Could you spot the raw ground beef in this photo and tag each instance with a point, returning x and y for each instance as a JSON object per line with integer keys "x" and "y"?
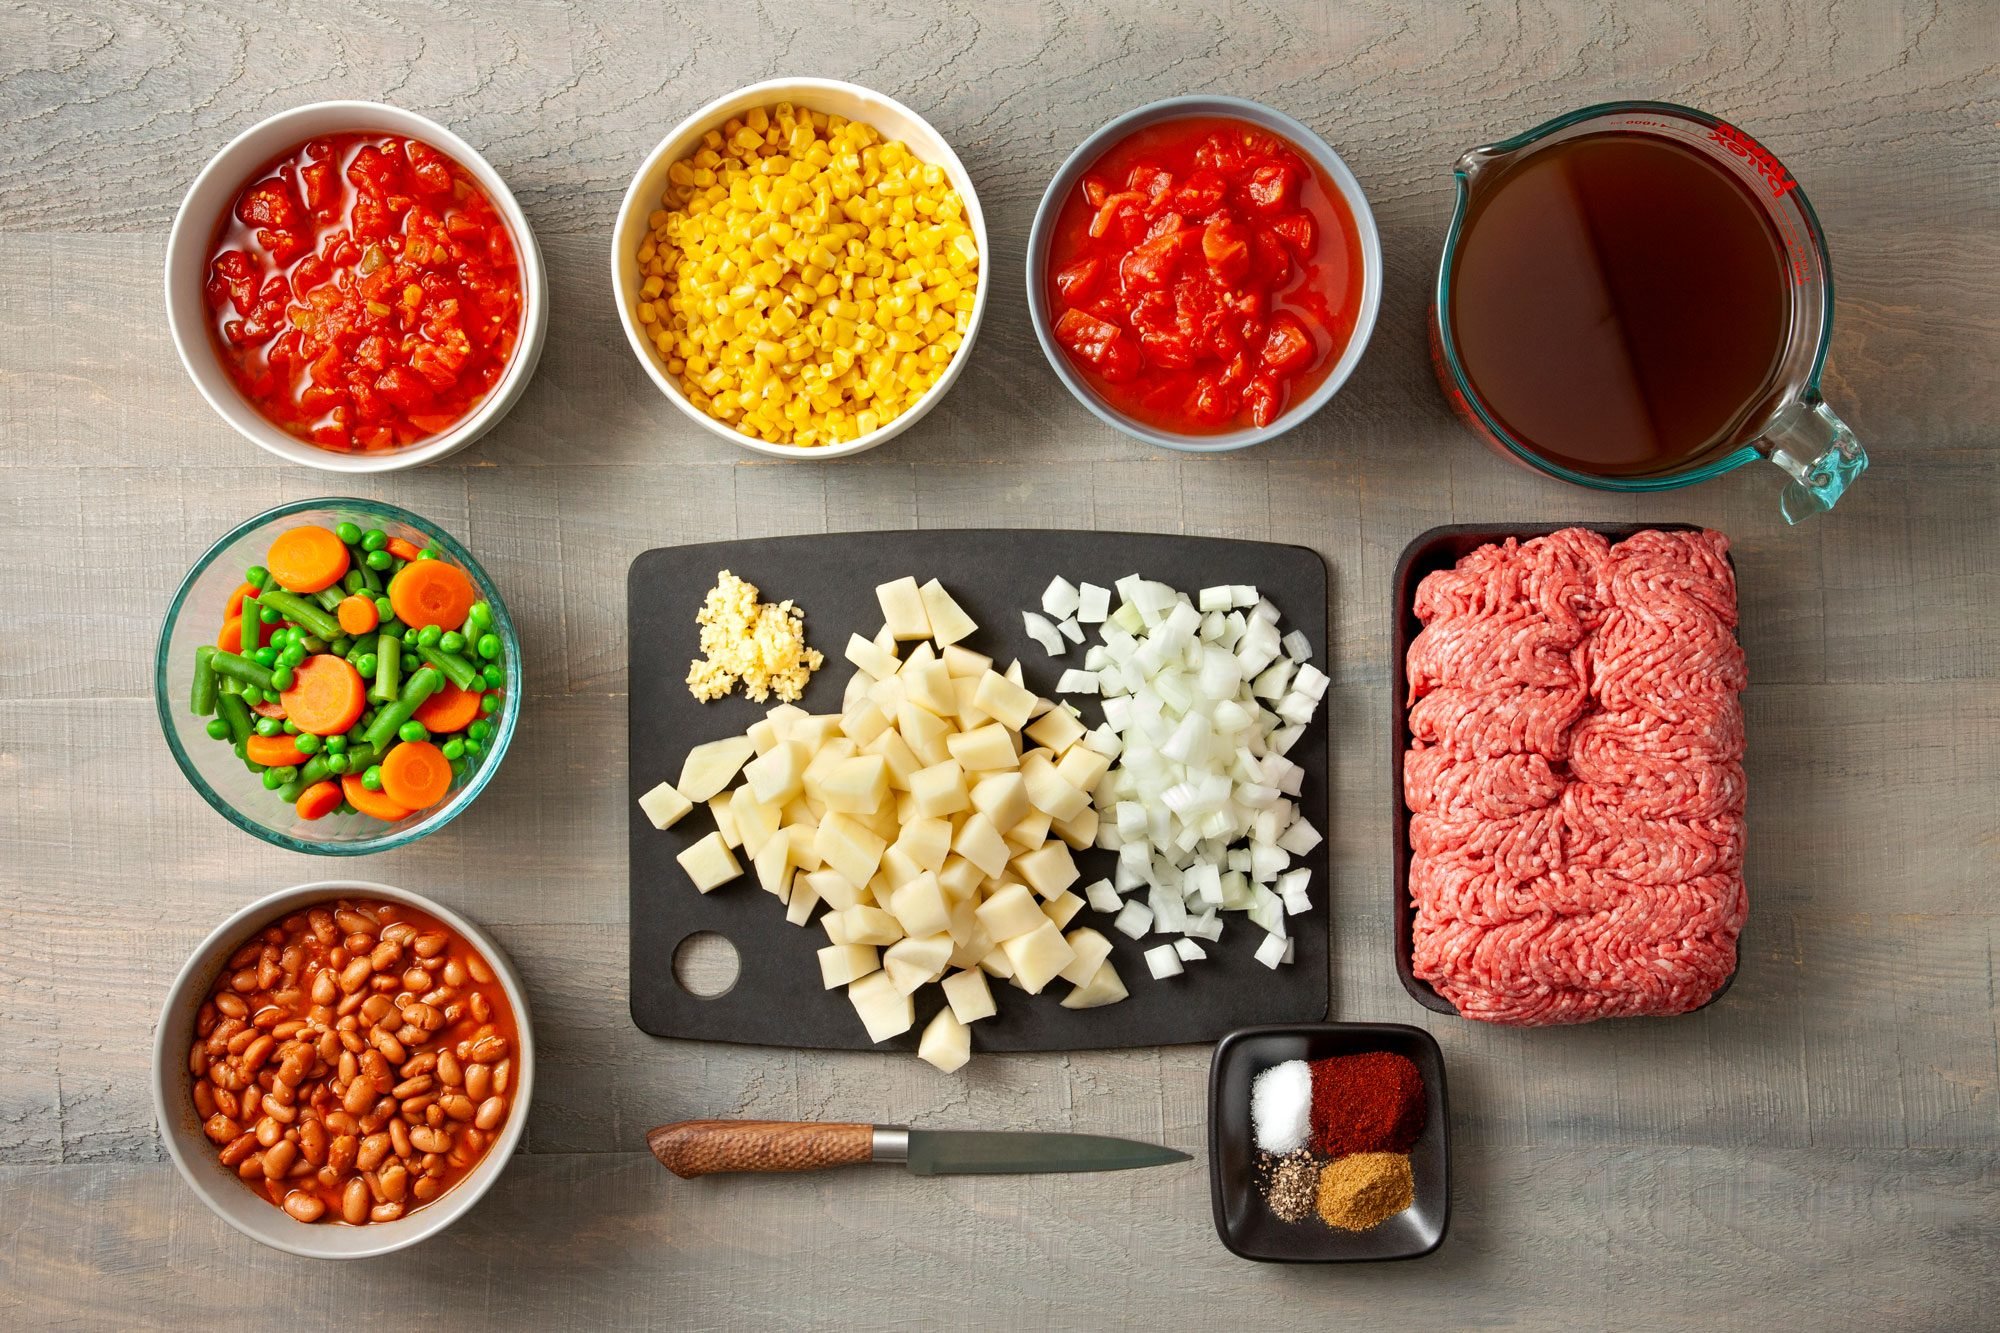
{"x": 1574, "y": 777}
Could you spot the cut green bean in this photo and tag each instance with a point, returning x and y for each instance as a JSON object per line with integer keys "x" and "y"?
{"x": 456, "y": 669}
{"x": 315, "y": 770}
{"x": 241, "y": 668}
{"x": 312, "y": 643}
{"x": 330, "y": 598}
{"x": 363, "y": 645}
{"x": 236, "y": 713}
{"x": 201, "y": 698}
{"x": 388, "y": 669}
{"x": 300, "y": 611}
{"x": 421, "y": 685}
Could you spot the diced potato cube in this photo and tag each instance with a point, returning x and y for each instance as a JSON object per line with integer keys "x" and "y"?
{"x": 929, "y": 688}
{"x": 1092, "y": 948}
{"x": 903, "y": 609}
{"x": 876, "y": 661}
{"x": 774, "y": 868}
{"x": 946, "y": 1043}
{"x": 779, "y": 775}
{"x": 763, "y": 735}
{"x": 799, "y": 907}
{"x": 784, "y": 717}
{"x": 1010, "y": 912}
{"x": 1031, "y": 832}
{"x": 926, "y": 841}
{"x": 1062, "y": 909}
{"x": 981, "y": 844}
{"x": 949, "y": 623}
{"x": 913, "y": 963}
{"x": 1083, "y": 768}
{"x": 710, "y": 863}
{"x": 1002, "y": 798}
{"x": 997, "y": 964}
{"x": 1048, "y": 870}
{"x": 725, "y": 819}
{"x": 835, "y": 926}
{"x": 863, "y": 723}
{"x": 960, "y": 877}
{"x": 1106, "y": 987}
{"x": 756, "y": 823}
{"x": 870, "y": 925}
{"x": 983, "y": 749}
{"x": 1081, "y": 832}
{"x": 924, "y": 732}
{"x": 804, "y": 856}
{"x": 920, "y": 906}
{"x": 664, "y": 806}
{"x": 857, "y": 785}
{"x": 885, "y": 1011}
{"x": 833, "y": 889}
{"x": 849, "y": 847}
{"x": 963, "y": 663}
{"x": 842, "y": 964}
{"x": 711, "y": 767}
{"x": 1039, "y": 956}
{"x": 815, "y": 730}
{"x": 1048, "y": 792}
{"x": 887, "y": 695}
{"x": 897, "y": 867}
{"x": 897, "y": 754}
{"x": 1058, "y": 729}
{"x": 970, "y": 998}
{"x": 1004, "y": 700}
{"x": 939, "y": 790}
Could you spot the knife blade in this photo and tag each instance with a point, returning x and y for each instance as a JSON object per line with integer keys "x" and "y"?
{"x": 691, "y": 1148}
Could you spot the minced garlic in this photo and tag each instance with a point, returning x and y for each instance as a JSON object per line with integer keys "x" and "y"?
{"x": 759, "y": 645}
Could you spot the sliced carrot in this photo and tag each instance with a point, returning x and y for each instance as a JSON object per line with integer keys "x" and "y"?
{"x": 372, "y": 803}
{"x": 235, "y": 605}
{"x": 307, "y": 559}
{"x": 403, "y": 549}
{"x": 327, "y": 695}
{"x": 416, "y": 774}
{"x": 269, "y": 708}
{"x": 318, "y": 801}
{"x": 272, "y": 751}
{"x": 358, "y": 614}
{"x": 231, "y": 638}
{"x": 448, "y": 709}
{"x": 430, "y": 592}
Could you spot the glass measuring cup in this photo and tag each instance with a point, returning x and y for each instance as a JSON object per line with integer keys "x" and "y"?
{"x": 1791, "y": 425}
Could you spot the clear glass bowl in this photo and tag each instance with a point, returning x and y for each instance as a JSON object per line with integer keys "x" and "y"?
{"x": 194, "y": 617}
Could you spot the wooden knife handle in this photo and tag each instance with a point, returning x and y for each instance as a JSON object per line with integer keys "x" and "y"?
{"x": 691, "y": 1148}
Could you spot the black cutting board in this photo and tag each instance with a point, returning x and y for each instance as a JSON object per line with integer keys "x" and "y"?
{"x": 777, "y": 999}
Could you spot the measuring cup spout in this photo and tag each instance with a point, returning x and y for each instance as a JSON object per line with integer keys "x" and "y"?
{"x": 1818, "y": 452}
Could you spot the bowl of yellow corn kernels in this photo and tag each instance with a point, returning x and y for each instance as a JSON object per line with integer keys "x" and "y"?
{"x": 800, "y": 267}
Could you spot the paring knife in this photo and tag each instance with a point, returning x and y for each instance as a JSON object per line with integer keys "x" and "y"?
{"x": 693, "y": 1148}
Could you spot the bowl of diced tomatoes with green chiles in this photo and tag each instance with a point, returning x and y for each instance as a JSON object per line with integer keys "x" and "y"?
{"x": 338, "y": 677}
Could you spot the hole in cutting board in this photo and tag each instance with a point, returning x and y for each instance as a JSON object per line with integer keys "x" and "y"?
{"x": 706, "y": 964}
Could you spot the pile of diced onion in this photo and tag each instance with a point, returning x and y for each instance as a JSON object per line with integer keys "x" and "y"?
{"x": 1203, "y": 699}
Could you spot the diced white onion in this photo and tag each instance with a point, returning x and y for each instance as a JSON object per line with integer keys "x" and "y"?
{"x": 1163, "y": 962}
{"x": 1060, "y": 598}
{"x": 1044, "y": 633}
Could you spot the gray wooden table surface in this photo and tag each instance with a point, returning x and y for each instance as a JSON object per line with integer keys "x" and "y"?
{"x": 1818, "y": 1150}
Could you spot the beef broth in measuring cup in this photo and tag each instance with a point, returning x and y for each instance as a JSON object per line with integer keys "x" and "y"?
{"x": 1635, "y": 297}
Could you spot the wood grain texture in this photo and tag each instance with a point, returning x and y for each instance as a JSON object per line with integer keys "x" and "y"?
{"x": 691, "y": 1148}
{"x": 1815, "y": 1150}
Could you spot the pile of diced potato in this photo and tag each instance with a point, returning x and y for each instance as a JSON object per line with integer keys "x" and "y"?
{"x": 934, "y": 816}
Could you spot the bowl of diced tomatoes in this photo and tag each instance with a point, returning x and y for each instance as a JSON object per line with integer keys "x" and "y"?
{"x": 1204, "y": 273}
{"x": 353, "y": 287}
{"x": 374, "y": 700}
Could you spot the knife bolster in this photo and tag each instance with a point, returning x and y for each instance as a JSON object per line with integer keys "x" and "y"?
{"x": 693, "y": 1148}
{"x": 891, "y": 1143}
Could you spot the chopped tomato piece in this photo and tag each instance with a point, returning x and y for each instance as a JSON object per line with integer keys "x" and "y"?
{"x": 1201, "y": 194}
{"x": 1271, "y": 188}
{"x": 1288, "y": 346}
{"x": 1264, "y": 400}
{"x": 1299, "y": 232}
{"x": 1226, "y": 245}
{"x": 1100, "y": 343}
{"x": 1151, "y": 181}
{"x": 1078, "y": 282}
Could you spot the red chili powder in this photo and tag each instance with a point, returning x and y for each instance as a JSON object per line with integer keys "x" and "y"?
{"x": 1366, "y": 1103}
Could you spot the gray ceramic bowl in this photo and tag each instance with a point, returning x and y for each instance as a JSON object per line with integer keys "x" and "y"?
{"x": 1181, "y": 108}
{"x": 217, "y": 1185}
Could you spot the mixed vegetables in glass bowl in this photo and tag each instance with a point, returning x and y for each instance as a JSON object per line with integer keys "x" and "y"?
{"x": 338, "y": 676}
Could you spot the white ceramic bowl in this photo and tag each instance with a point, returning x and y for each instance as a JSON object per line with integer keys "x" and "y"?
{"x": 833, "y": 97}
{"x": 198, "y": 1159}
{"x": 194, "y": 231}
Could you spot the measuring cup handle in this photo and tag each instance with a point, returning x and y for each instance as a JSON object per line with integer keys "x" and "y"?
{"x": 1820, "y": 454}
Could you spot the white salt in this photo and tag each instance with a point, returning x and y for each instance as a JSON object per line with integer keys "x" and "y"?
{"x": 1281, "y": 1106}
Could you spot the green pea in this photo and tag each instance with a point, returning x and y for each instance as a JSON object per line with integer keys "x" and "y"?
{"x": 282, "y": 677}
{"x": 290, "y": 728}
{"x": 379, "y": 559}
{"x": 336, "y": 744}
{"x": 488, "y": 703}
{"x": 218, "y": 729}
{"x": 256, "y": 576}
{"x": 348, "y": 532}
{"x": 275, "y": 778}
{"x": 267, "y": 616}
{"x": 413, "y": 730}
{"x": 280, "y": 637}
{"x": 428, "y": 553}
{"x": 307, "y": 743}
{"x": 372, "y": 779}
{"x": 429, "y": 635}
{"x": 335, "y": 763}
{"x": 479, "y": 730}
{"x": 293, "y": 655}
{"x": 269, "y": 726}
{"x": 385, "y": 610}
{"x": 411, "y": 662}
{"x": 454, "y": 749}
{"x": 252, "y": 695}
{"x": 366, "y": 665}
{"x": 480, "y": 614}
{"x": 475, "y": 748}
{"x": 450, "y": 641}
{"x": 374, "y": 539}
{"x": 493, "y": 676}
{"x": 488, "y": 645}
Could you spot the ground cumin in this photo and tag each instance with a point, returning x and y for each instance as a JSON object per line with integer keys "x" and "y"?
{"x": 1364, "y": 1190}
